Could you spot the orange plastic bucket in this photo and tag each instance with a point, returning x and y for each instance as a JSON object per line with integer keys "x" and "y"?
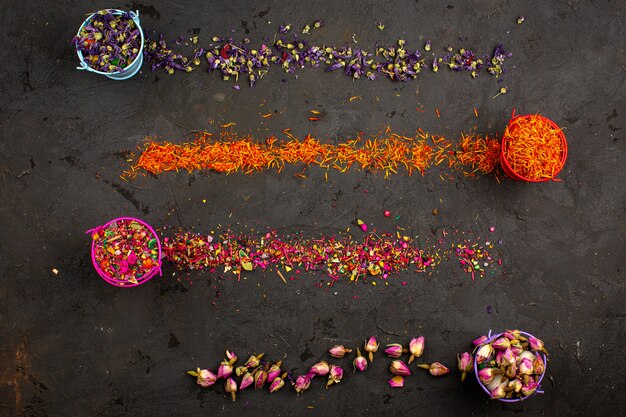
{"x": 509, "y": 135}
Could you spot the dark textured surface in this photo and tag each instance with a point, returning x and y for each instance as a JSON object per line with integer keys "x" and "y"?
{"x": 71, "y": 345}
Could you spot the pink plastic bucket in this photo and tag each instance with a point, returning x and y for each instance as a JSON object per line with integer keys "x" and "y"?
{"x": 510, "y": 400}
{"x": 124, "y": 283}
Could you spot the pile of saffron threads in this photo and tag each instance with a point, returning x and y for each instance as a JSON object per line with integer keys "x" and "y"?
{"x": 533, "y": 147}
{"x": 478, "y": 154}
{"x": 342, "y": 257}
{"x": 386, "y": 152}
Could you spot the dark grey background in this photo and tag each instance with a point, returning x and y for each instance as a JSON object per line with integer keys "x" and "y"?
{"x": 72, "y": 345}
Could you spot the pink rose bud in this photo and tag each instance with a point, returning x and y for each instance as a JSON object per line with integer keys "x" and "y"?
{"x": 537, "y": 345}
{"x": 320, "y": 368}
{"x": 398, "y": 367}
{"x": 338, "y": 351}
{"x": 302, "y": 384}
{"x": 394, "y": 350}
{"x": 276, "y": 384}
{"x": 529, "y": 388}
{"x": 515, "y": 385}
{"x": 501, "y": 343}
{"x": 486, "y": 375}
{"x": 335, "y": 375}
{"x": 246, "y": 381}
{"x": 206, "y": 378}
{"x": 371, "y": 346}
{"x": 232, "y": 358}
{"x": 526, "y": 366}
{"x": 517, "y": 350}
{"x": 499, "y": 355}
{"x": 465, "y": 362}
{"x": 508, "y": 358}
{"x": 512, "y": 334}
{"x": 231, "y": 387}
{"x": 260, "y": 378}
{"x": 416, "y": 347}
{"x": 484, "y": 352}
{"x": 498, "y": 392}
{"x": 225, "y": 370}
{"x": 396, "y": 382}
{"x": 362, "y": 225}
{"x": 539, "y": 367}
{"x": 274, "y": 371}
{"x": 479, "y": 341}
{"x": 359, "y": 362}
{"x": 435, "y": 368}
{"x": 254, "y": 361}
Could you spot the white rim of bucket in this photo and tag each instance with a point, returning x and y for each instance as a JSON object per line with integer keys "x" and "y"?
{"x": 135, "y": 16}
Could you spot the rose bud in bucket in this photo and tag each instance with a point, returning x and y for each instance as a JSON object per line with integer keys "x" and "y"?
{"x": 509, "y": 366}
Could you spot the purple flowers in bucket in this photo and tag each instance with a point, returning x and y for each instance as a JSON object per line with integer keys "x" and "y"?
{"x": 110, "y": 42}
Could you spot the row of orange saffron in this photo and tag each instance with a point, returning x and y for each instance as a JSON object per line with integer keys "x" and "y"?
{"x": 386, "y": 152}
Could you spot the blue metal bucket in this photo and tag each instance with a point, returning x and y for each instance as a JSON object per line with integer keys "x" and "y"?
{"x": 130, "y": 70}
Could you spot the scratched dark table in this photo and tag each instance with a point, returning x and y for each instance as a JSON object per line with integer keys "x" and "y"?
{"x": 73, "y": 345}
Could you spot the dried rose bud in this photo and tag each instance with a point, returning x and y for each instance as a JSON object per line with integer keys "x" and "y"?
{"x": 398, "y": 367}
{"x": 526, "y": 366}
{"x": 539, "y": 367}
{"x": 320, "y": 368}
{"x": 479, "y": 341}
{"x": 465, "y": 363}
{"x": 254, "y": 361}
{"x": 511, "y": 370}
{"x": 371, "y": 346}
{"x": 515, "y": 385}
{"x": 416, "y": 347}
{"x": 396, "y": 382}
{"x": 274, "y": 371}
{"x": 394, "y": 350}
{"x": 231, "y": 357}
{"x": 240, "y": 370}
{"x": 517, "y": 350}
{"x": 205, "y": 377}
{"x": 359, "y": 362}
{"x": 260, "y": 378}
{"x": 335, "y": 375}
{"x": 231, "y": 387}
{"x": 224, "y": 370}
{"x": 246, "y": 381}
{"x": 338, "y": 351}
{"x": 512, "y": 334}
{"x": 302, "y": 384}
{"x": 435, "y": 368}
{"x": 501, "y": 343}
{"x": 484, "y": 352}
{"x": 529, "y": 388}
{"x": 498, "y": 392}
{"x": 537, "y": 345}
{"x": 508, "y": 358}
{"x": 486, "y": 375}
{"x": 276, "y": 384}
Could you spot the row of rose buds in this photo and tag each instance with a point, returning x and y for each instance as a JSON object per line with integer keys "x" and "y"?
{"x": 393, "y": 350}
{"x": 253, "y": 372}
{"x": 511, "y": 365}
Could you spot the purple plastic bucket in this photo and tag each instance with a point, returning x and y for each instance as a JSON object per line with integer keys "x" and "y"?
{"x": 123, "y": 283}
{"x": 510, "y": 400}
